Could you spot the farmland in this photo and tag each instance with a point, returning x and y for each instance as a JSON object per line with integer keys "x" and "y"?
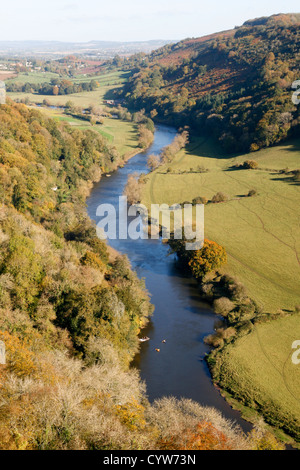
{"x": 261, "y": 237}
{"x": 107, "y": 82}
{"x": 259, "y": 233}
{"x": 259, "y": 370}
{"x": 123, "y": 135}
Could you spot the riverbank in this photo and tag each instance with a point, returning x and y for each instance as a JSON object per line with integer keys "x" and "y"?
{"x": 261, "y": 254}
{"x": 238, "y": 343}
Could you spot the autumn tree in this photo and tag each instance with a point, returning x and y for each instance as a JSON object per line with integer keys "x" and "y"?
{"x": 146, "y": 137}
{"x": 203, "y": 437}
{"x": 133, "y": 189}
{"x": 211, "y": 257}
{"x": 153, "y": 162}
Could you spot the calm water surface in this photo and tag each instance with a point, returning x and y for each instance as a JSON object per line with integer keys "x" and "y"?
{"x": 181, "y": 317}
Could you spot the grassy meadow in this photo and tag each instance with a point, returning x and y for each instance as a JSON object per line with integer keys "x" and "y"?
{"x": 107, "y": 81}
{"x": 34, "y": 77}
{"x": 258, "y": 369}
{"x": 260, "y": 233}
{"x": 123, "y": 135}
{"x": 261, "y": 237}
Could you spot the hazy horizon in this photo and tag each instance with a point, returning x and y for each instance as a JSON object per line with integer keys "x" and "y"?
{"x": 46, "y": 41}
{"x": 131, "y": 21}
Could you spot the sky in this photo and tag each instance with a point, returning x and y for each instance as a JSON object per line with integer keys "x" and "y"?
{"x": 129, "y": 20}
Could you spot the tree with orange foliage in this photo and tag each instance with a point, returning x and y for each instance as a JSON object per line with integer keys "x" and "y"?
{"x": 204, "y": 437}
{"x": 20, "y": 360}
{"x": 132, "y": 415}
{"x": 211, "y": 257}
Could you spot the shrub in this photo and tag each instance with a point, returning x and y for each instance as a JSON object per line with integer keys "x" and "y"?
{"x": 146, "y": 137}
{"x": 133, "y": 189}
{"x": 260, "y": 439}
{"x": 200, "y": 200}
{"x": 90, "y": 259}
{"x": 297, "y": 175}
{"x": 245, "y": 312}
{"x": 223, "y": 306}
{"x": 252, "y": 193}
{"x": 218, "y": 339}
{"x": 203, "y": 437}
{"x": 238, "y": 290}
{"x": 19, "y": 357}
{"x": 250, "y": 165}
{"x": 202, "y": 169}
{"x": 183, "y": 424}
{"x": 215, "y": 341}
{"x": 219, "y": 197}
{"x": 121, "y": 267}
{"x": 153, "y": 162}
{"x": 254, "y": 147}
{"x": 208, "y": 290}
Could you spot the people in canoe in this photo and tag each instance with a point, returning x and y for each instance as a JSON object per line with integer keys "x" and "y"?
{"x": 143, "y": 340}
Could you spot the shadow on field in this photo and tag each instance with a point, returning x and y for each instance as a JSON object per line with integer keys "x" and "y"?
{"x": 293, "y": 145}
{"x": 207, "y": 147}
{"x": 289, "y": 178}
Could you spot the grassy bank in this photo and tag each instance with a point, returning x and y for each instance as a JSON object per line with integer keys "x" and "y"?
{"x": 259, "y": 372}
{"x": 260, "y": 234}
{"x": 123, "y": 135}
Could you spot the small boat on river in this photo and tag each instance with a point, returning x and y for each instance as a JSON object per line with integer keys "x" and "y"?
{"x": 143, "y": 340}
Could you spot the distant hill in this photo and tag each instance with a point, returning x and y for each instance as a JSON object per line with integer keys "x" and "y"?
{"x": 235, "y": 84}
{"x": 99, "y": 49}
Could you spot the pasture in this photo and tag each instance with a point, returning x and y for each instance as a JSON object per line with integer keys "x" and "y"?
{"x": 123, "y": 135}
{"x": 108, "y": 82}
{"x": 260, "y": 233}
{"x": 259, "y": 369}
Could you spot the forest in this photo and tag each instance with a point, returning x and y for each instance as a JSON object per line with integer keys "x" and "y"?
{"x": 235, "y": 86}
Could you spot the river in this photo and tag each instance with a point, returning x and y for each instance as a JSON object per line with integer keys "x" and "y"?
{"x": 181, "y": 317}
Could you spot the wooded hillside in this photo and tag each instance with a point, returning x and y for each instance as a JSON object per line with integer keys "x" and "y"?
{"x": 236, "y": 85}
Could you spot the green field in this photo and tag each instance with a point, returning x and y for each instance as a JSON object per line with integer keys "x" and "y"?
{"x": 259, "y": 367}
{"x": 123, "y": 135}
{"x": 262, "y": 237}
{"x": 34, "y": 77}
{"x": 108, "y": 82}
{"x": 260, "y": 234}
